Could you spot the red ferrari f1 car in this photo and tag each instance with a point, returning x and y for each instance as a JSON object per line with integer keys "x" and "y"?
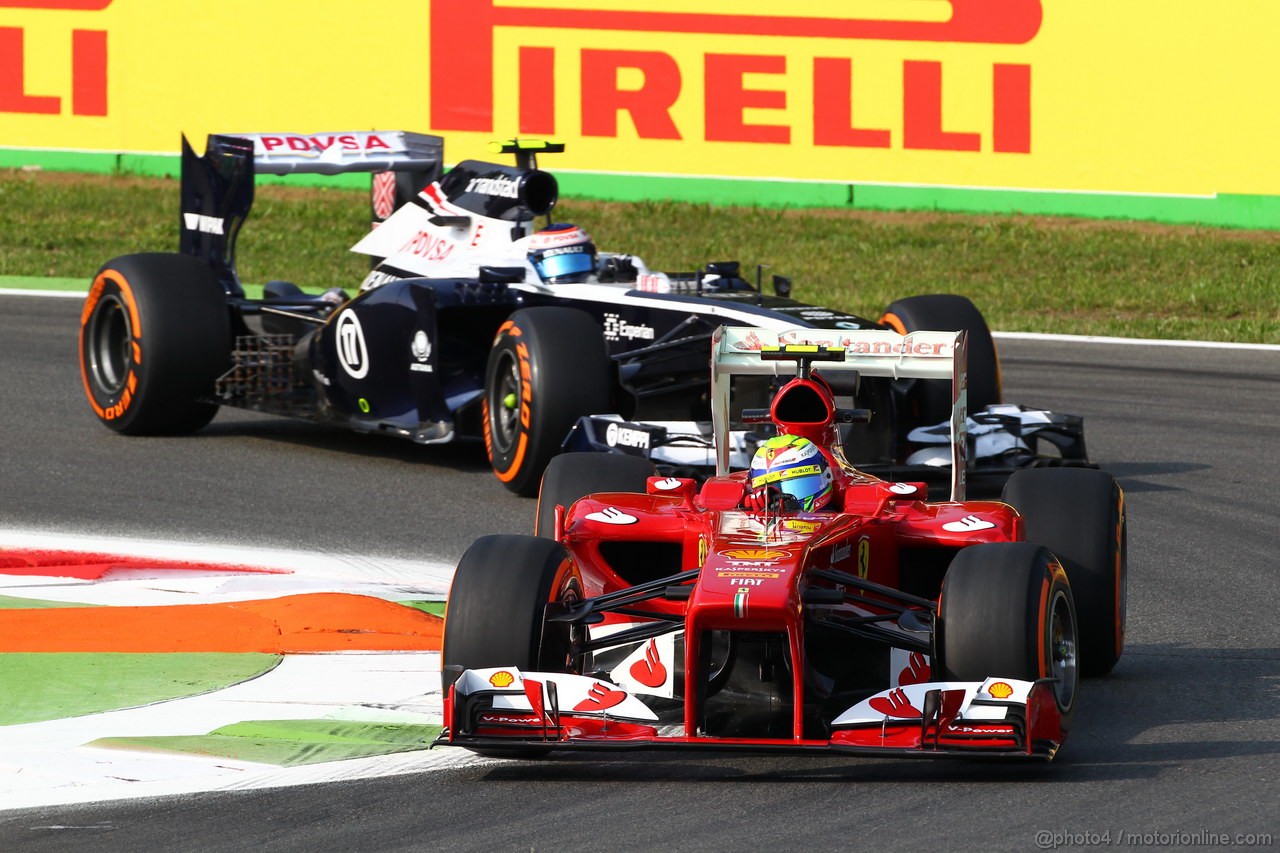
{"x": 801, "y": 605}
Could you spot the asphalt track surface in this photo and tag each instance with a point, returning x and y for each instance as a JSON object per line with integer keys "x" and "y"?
{"x": 1181, "y": 739}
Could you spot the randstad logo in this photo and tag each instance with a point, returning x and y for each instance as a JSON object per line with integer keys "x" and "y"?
{"x": 737, "y": 90}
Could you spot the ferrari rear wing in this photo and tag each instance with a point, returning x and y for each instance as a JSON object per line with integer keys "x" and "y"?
{"x": 217, "y": 187}
{"x": 737, "y": 350}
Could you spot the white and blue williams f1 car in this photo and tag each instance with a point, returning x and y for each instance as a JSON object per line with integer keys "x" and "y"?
{"x": 477, "y": 320}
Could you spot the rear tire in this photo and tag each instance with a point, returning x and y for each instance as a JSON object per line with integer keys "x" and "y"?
{"x": 1079, "y": 515}
{"x": 929, "y": 401}
{"x": 547, "y": 368}
{"x": 1006, "y": 611}
{"x": 155, "y": 335}
{"x": 575, "y": 475}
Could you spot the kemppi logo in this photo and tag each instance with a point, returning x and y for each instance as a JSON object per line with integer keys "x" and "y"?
{"x": 88, "y": 62}
{"x": 462, "y": 74}
{"x": 620, "y": 436}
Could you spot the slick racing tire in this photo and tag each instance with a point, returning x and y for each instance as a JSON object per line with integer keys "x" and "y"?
{"x": 929, "y": 401}
{"x": 497, "y": 607}
{"x": 547, "y": 368}
{"x": 575, "y": 475}
{"x": 155, "y": 334}
{"x": 1006, "y": 611}
{"x": 1079, "y": 515}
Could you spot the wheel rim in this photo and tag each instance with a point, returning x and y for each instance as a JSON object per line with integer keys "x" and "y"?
{"x": 504, "y": 403}
{"x": 107, "y": 346}
{"x": 1062, "y": 655}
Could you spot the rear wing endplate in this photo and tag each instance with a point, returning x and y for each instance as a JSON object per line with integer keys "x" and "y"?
{"x": 217, "y": 187}
{"x": 736, "y": 350}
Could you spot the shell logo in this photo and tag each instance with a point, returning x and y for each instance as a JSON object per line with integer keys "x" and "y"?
{"x": 753, "y": 554}
{"x": 502, "y": 678}
{"x": 1000, "y": 690}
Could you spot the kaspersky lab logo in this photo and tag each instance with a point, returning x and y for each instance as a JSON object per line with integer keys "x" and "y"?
{"x": 463, "y": 84}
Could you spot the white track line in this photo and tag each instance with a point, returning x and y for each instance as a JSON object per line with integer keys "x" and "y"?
{"x": 426, "y": 576}
{"x": 56, "y": 294}
{"x": 1144, "y": 342}
{"x": 1016, "y": 336}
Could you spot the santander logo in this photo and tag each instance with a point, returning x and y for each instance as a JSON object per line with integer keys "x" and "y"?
{"x": 968, "y": 524}
{"x": 611, "y": 515}
{"x": 917, "y": 671}
{"x": 600, "y": 697}
{"x": 650, "y": 671}
{"x": 896, "y": 704}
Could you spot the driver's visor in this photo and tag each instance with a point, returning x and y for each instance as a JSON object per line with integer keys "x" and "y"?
{"x": 555, "y": 267}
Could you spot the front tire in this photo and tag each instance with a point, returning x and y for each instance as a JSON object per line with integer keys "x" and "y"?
{"x": 496, "y": 613}
{"x": 155, "y": 335}
{"x": 575, "y": 475}
{"x": 547, "y": 368}
{"x": 497, "y": 604}
{"x": 1079, "y": 515}
{"x": 1006, "y": 611}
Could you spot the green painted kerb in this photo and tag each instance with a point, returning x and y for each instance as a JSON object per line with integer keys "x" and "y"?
{"x": 289, "y": 743}
{"x": 40, "y": 686}
{"x": 1232, "y": 211}
{"x": 435, "y": 608}
{"x": 9, "y": 602}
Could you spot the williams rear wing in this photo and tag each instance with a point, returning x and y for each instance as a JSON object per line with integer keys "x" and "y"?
{"x": 736, "y": 350}
{"x": 217, "y": 187}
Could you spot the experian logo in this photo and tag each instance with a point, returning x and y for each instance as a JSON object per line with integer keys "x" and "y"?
{"x": 615, "y": 329}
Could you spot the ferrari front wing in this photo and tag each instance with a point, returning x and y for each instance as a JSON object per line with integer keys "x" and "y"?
{"x": 506, "y": 710}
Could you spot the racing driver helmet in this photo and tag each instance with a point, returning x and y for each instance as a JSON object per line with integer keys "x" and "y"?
{"x": 562, "y": 253}
{"x": 794, "y": 466}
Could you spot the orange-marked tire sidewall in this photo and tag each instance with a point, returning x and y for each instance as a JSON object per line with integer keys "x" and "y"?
{"x": 107, "y": 405}
{"x": 507, "y": 463}
{"x": 894, "y": 322}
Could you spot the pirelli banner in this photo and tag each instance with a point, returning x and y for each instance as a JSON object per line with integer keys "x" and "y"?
{"x": 1090, "y": 107}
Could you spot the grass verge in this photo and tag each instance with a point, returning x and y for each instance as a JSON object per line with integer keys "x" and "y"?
{"x": 1026, "y": 273}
